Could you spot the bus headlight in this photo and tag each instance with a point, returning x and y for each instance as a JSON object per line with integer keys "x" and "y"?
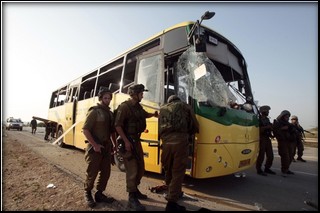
{"x": 247, "y": 107}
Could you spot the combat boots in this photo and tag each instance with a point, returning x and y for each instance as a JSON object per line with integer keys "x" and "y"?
{"x": 141, "y": 196}
{"x": 134, "y": 204}
{"x": 89, "y": 199}
{"x": 301, "y": 159}
{"x": 174, "y": 207}
{"x": 99, "y": 197}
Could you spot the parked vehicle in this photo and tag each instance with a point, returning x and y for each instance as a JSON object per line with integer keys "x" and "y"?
{"x": 14, "y": 123}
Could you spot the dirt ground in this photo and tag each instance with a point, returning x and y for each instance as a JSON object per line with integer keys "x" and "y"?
{"x": 40, "y": 176}
{"x": 25, "y": 178}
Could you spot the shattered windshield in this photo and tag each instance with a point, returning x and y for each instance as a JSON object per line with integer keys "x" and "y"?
{"x": 200, "y": 79}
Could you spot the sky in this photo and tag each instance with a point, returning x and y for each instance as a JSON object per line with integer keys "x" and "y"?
{"x": 46, "y": 45}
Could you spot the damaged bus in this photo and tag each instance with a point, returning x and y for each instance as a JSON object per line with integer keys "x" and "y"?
{"x": 196, "y": 63}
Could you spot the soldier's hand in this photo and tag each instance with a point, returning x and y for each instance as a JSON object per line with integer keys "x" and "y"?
{"x": 156, "y": 114}
{"x": 98, "y": 148}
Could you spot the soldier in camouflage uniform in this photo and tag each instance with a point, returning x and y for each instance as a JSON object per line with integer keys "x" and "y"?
{"x": 285, "y": 135}
{"x": 265, "y": 144}
{"x": 99, "y": 131}
{"x": 130, "y": 122}
{"x": 178, "y": 126}
{"x": 33, "y": 125}
{"x": 299, "y": 138}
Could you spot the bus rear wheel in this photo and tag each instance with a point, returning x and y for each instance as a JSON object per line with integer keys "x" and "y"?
{"x": 60, "y": 142}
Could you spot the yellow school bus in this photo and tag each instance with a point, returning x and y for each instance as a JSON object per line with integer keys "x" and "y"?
{"x": 200, "y": 66}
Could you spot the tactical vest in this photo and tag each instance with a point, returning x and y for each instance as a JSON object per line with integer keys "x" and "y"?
{"x": 174, "y": 117}
{"x": 136, "y": 123}
{"x": 105, "y": 118}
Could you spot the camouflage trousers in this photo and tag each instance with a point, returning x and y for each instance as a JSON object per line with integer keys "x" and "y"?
{"x": 174, "y": 159}
{"x": 134, "y": 168}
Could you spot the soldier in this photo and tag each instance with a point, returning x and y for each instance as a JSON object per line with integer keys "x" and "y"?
{"x": 130, "y": 122}
{"x": 283, "y": 132}
{"x": 48, "y": 130}
{"x": 178, "y": 126}
{"x": 265, "y": 144}
{"x": 33, "y": 125}
{"x": 99, "y": 131}
{"x": 300, "y": 135}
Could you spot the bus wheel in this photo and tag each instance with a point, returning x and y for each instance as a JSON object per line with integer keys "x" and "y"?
{"x": 60, "y": 142}
{"x": 118, "y": 159}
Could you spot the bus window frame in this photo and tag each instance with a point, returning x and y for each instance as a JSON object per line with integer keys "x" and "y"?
{"x": 159, "y": 76}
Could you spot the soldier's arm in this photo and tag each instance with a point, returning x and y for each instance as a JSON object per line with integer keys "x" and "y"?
{"x": 96, "y": 146}
{"x": 128, "y": 144}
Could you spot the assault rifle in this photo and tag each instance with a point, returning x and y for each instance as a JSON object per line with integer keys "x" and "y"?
{"x": 103, "y": 150}
{"x": 122, "y": 149}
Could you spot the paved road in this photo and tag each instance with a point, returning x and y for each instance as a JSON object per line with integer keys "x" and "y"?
{"x": 297, "y": 192}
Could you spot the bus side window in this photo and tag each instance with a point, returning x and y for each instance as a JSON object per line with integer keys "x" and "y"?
{"x": 126, "y": 85}
{"x": 85, "y": 95}
{"x": 113, "y": 87}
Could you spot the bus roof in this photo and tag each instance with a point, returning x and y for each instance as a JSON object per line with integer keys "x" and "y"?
{"x": 181, "y": 24}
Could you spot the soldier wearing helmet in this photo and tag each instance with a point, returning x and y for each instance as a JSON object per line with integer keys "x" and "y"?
{"x": 265, "y": 108}
{"x": 136, "y": 90}
{"x": 265, "y": 143}
{"x": 299, "y": 148}
{"x": 102, "y": 91}
{"x": 283, "y": 132}
{"x": 177, "y": 128}
{"x": 99, "y": 131}
{"x": 130, "y": 122}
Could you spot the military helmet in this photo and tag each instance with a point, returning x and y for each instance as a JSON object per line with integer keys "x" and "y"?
{"x": 265, "y": 108}
{"x": 136, "y": 89}
{"x": 103, "y": 90}
{"x": 283, "y": 113}
{"x": 173, "y": 98}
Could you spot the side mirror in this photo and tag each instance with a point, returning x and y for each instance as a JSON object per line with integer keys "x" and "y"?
{"x": 199, "y": 40}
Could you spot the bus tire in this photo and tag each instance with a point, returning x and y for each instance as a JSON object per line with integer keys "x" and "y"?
{"x": 60, "y": 142}
{"x": 118, "y": 159}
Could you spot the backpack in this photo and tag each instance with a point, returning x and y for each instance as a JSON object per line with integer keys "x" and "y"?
{"x": 173, "y": 117}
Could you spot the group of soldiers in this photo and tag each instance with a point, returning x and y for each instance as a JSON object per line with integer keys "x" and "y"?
{"x": 50, "y": 130}
{"x": 290, "y": 137}
{"x": 128, "y": 121}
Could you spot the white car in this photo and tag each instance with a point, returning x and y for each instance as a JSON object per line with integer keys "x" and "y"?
{"x": 14, "y": 123}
